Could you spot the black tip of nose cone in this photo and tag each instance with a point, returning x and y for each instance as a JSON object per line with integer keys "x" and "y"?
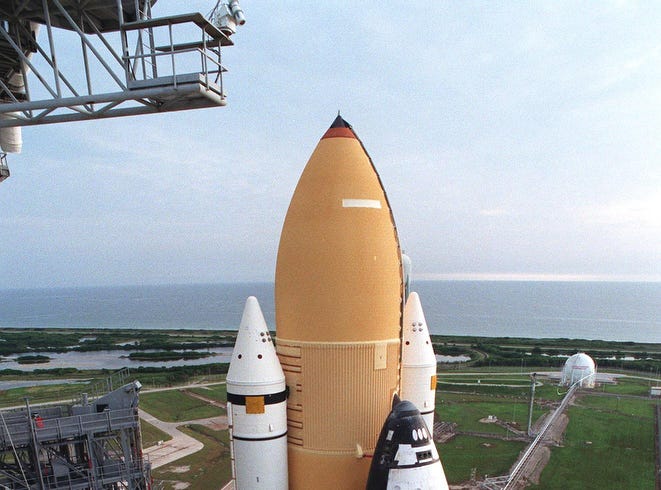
{"x": 340, "y": 123}
{"x": 339, "y": 129}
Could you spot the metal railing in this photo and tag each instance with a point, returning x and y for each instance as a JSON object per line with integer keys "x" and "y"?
{"x": 20, "y": 433}
{"x": 184, "y": 73}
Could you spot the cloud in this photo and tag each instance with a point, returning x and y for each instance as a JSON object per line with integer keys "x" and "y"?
{"x": 494, "y": 212}
{"x": 641, "y": 212}
{"x": 632, "y": 68}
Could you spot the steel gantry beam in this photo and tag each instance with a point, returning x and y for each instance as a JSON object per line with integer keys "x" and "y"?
{"x": 128, "y": 62}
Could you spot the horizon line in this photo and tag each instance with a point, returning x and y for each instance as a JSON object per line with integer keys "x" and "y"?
{"x": 422, "y": 276}
{"x": 534, "y": 277}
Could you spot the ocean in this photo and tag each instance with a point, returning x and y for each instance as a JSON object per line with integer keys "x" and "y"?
{"x": 624, "y": 311}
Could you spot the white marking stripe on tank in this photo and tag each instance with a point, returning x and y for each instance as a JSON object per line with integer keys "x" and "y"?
{"x": 361, "y": 203}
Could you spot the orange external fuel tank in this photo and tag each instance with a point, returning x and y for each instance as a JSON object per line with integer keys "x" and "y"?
{"x": 338, "y": 301}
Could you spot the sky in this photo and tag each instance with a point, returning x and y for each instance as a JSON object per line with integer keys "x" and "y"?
{"x": 515, "y": 140}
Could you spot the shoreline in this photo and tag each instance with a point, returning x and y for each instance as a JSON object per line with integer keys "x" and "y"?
{"x": 231, "y": 333}
{"x": 94, "y": 349}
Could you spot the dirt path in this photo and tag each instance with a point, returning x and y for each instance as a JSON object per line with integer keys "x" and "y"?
{"x": 210, "y": 401}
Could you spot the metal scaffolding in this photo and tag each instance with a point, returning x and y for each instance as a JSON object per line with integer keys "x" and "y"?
{"x": 128, "y": 63}
{"x": 91, "y": 445}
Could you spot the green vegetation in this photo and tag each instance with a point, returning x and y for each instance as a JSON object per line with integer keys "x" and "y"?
{"x": 151, "y": 435}
{"x": 18, "y": 341}
{"x": 209, "y": 467}
{"x": 167, "y": 355}
{"x": 467, "y": 404}
{"x": 36, "y": 359}
{"x": 66, "y": 391}
{"x": 495, "y": 383}
{"x": 620, "y": 405}
{"x": 215, "y": 392}
{"x": 152, "y": 377}
{"x": 569, "y": 346}
{"x": 22, "y": 340}
{"x": 629, "y": 386}
{"x": 467, "y": 411}
{"x": 526, "y": 352}
{"x": 483, "y": 351}
{"x": 607, "y": 440}
{"x": 487, "y": 456}
{"x": 610, "y": 436}
{"x": 175, "y": 406}
{"x": 40, "y": 394}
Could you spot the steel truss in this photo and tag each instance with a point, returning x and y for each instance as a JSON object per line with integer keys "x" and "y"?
{"x": 130, "y": 62}
{"x": 89, "y": 446}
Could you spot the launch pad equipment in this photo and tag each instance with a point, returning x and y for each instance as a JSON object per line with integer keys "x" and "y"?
{"x": 86, "y": 445}
{"x": 147, "y": 64}
{"x": 4, "y": 168}
{"x": 128, "y": 63}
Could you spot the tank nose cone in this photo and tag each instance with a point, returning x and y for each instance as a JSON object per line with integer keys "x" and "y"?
{"x": 339, "y": 129}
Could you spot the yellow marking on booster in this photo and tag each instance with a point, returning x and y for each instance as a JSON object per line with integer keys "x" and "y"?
{"x": 254, "y": 404}
{"x": 433, "y": 383}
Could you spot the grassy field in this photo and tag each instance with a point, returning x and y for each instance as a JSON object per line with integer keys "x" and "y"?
{"x": 608, "y": 444}
{"x": 609, "y": 438}
{"x": 215, "y": 392}
{"x": 208, "y": 468}
{"x": 467, "y": 414}
{"x": 623, "y": 406}
{"x": 497, "y": 383}
{"x": 66, "y": 391}
{"x": 488, "y": 457}
{"x": 629, "y": 386}
{"x": 175, "y": 406}
{"x": 152, "y": 435}
{"x": 41, "y": 394}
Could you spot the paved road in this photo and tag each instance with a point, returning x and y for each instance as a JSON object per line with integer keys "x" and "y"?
{"x": 182, "y": 387}
{"x": 181, "y": 445}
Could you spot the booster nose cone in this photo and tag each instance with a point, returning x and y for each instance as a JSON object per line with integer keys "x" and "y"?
{"x": 418, "y": 360}
{"x": 257, "y": 407}
{"x": 254, "y": 361}
{"x": 417, "y": 349}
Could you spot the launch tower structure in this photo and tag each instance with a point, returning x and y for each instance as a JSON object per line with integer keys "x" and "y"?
{"x": 128, "y": 61}
{"x": 90, "y": 444}
{"x": 156, "y": 64}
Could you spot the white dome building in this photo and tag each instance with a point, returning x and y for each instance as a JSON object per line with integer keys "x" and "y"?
{"x": 579, "y": 368}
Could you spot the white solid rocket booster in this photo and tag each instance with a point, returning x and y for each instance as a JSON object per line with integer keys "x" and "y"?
{"x": 257, "y": 406}
{"x": 418, "y": 361}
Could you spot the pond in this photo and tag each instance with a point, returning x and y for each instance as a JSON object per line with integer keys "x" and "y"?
{"x": 109, "y": 359}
